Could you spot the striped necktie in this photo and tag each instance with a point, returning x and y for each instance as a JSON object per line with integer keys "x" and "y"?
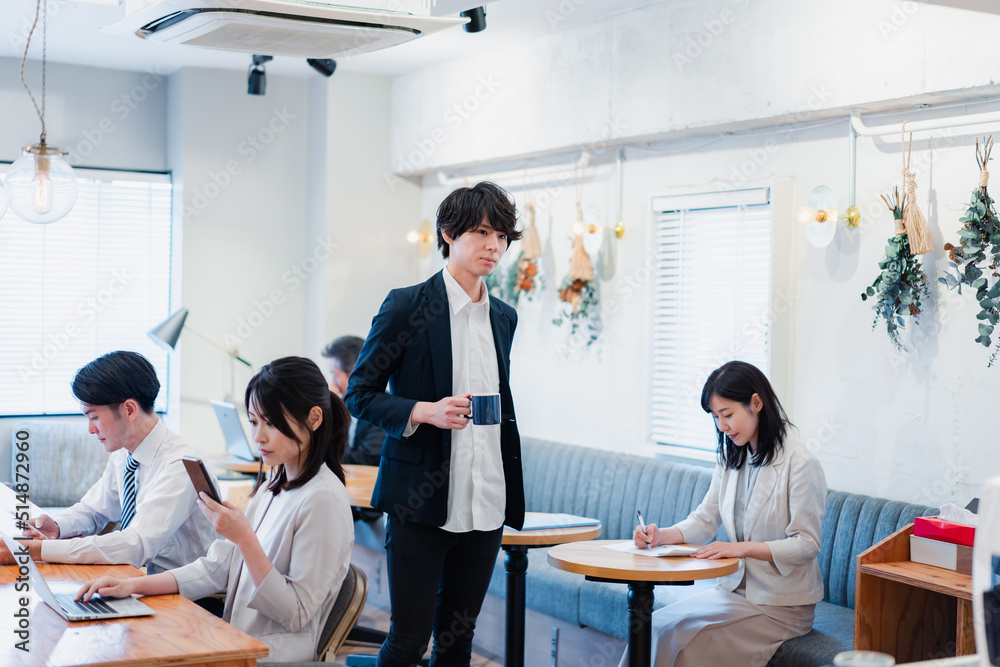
{"x": 129, "y": 487}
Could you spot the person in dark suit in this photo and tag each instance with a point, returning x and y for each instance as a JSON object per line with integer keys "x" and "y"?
{"x": 447, "y": 486}
{"x": 365, "y": 439}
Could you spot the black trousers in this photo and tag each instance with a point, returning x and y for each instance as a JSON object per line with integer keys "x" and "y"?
{"x": 437, "y": 583}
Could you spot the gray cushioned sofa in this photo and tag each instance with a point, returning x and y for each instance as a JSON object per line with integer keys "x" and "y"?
{"x": 610, "y": 486}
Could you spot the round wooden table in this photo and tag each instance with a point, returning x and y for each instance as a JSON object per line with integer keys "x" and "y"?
{"x": 516, "y": 543}
{"x": 641, "y": 573}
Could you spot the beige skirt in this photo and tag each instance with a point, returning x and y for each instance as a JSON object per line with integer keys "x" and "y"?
{"x": 723, "y": 629}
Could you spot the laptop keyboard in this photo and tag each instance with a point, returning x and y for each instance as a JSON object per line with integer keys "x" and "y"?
{"x": 92, "y": 606}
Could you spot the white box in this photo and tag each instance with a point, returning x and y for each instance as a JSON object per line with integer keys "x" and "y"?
{"x": 950, "y": 556}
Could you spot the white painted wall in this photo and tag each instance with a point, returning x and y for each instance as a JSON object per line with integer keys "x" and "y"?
{"x": 912, "y": 427}
{"x": 246, "y": 255}
{"x": 369, "y": 210}
{"x": 682, "y": 66}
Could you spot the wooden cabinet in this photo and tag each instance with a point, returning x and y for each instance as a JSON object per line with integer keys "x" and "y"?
{"x": 910, "y": 610}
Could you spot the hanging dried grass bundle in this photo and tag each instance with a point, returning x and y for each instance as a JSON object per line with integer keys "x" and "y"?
{"x": 913, "y": 218}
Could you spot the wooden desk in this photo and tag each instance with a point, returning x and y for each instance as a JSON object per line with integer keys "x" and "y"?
{"x": 641, "y": 573}
{"x": 516, "y": 543}
{"x": 910, "y": 610}
{"x": 181, "y": 633}
{"x": 360, "y": 483}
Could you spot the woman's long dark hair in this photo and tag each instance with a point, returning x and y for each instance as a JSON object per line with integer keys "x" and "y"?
{"x": 291, "y": 387}
{"x": 739, "y": 381}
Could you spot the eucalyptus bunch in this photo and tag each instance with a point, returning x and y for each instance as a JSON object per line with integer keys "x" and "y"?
{"x": 975, "y": 259}
{"x": 902, "y": 283}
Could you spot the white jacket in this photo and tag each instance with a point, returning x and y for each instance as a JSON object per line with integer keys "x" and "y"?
{"x": 785, "y": 511}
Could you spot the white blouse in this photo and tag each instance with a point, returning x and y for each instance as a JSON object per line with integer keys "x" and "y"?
{"x": 307, "y": 534}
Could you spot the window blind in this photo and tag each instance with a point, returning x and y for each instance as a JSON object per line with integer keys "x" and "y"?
{"x": 83, "y": 286}
{"x": 711, "y": 304}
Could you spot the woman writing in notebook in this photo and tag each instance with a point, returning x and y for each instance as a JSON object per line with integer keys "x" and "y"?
{"x": 283, "y": 562}
{"x": 769, "y": 493}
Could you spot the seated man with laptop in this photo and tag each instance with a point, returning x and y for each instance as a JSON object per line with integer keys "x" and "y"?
{"x": 145, "y": 487}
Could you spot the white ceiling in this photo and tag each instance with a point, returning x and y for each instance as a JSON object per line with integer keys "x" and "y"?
{"x": 74, "y": 36}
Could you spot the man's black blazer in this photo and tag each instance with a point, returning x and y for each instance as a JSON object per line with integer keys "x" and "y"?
{"x": 409, "y": 347}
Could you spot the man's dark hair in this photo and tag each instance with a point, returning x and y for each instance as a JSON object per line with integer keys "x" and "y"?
{"x": 464, "y": 209}
{"x": 116, "y": 377}
{"x": 345, "y": 350}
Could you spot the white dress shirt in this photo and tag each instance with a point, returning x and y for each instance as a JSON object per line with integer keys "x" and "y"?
{"x": 307, "y": 534}
{"x": 168, "y": 529}
{"x": 477, "y": 494}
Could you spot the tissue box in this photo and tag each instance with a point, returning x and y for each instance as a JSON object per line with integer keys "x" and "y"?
{"x": 955, "y": 557}
{"x": 944, "y": 531}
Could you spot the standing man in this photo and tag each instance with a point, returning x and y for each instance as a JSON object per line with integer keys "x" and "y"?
{"x": 364, "y": 440}
{"x": 144, "y": 488}
{"x": 448, "y": 487}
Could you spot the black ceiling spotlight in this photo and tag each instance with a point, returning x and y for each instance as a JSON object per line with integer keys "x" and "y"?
{"x": 477, "y": 19}
{"x": 256, "y": 76}
{"x": 325, "y": 66}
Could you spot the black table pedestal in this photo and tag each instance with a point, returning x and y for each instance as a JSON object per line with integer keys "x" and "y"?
{"x": 516, "y": 564}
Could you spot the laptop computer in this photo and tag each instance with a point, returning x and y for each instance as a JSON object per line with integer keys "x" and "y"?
{"x": 95, "y": 609}
{"x": 237, "y": 444}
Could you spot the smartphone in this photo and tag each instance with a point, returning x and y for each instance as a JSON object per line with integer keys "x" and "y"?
{"x": 202, "y": 481}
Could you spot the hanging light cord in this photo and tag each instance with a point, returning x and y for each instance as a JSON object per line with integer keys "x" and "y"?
{"x": 24, "y": 59}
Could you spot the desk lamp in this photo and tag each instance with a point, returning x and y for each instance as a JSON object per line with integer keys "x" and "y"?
{"x": 167, "y": 333}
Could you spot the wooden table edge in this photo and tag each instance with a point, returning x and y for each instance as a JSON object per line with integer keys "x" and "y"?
{"x": 724, "y": 567}
{"x": 549, "y": 536}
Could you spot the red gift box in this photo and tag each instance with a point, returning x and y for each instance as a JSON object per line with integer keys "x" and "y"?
{"x": 944, "y": 531}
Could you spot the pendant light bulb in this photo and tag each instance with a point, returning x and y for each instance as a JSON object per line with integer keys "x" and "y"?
{"x": 42, "y": 184}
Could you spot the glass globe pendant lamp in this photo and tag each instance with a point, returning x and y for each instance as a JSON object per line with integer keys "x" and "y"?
{"x": 41, "y": 182}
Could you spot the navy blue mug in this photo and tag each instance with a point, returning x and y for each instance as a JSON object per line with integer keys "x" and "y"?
{"x": 485, "y": 409}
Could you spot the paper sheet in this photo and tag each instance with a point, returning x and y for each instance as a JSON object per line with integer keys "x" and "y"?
{"x": 659, "y": 552}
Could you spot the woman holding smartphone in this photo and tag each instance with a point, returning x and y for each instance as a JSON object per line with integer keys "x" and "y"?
{"x": 769, "y": 493}
{"x": 283, "y": 562}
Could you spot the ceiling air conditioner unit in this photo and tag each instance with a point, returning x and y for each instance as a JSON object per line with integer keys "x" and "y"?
{"x": 300, "y": 28}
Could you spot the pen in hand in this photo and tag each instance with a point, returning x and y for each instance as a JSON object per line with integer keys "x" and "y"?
{"x": 642, "y": 524}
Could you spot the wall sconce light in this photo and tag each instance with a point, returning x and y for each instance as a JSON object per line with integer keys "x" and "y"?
{"x": 580, "y": 227}
{"x": 423, "y": 236}
{"x": 820, "y": 216}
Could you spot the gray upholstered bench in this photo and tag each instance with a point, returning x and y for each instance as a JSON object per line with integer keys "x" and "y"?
{"x": 65, "y": 460}
{"x": 610, "y": 486}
